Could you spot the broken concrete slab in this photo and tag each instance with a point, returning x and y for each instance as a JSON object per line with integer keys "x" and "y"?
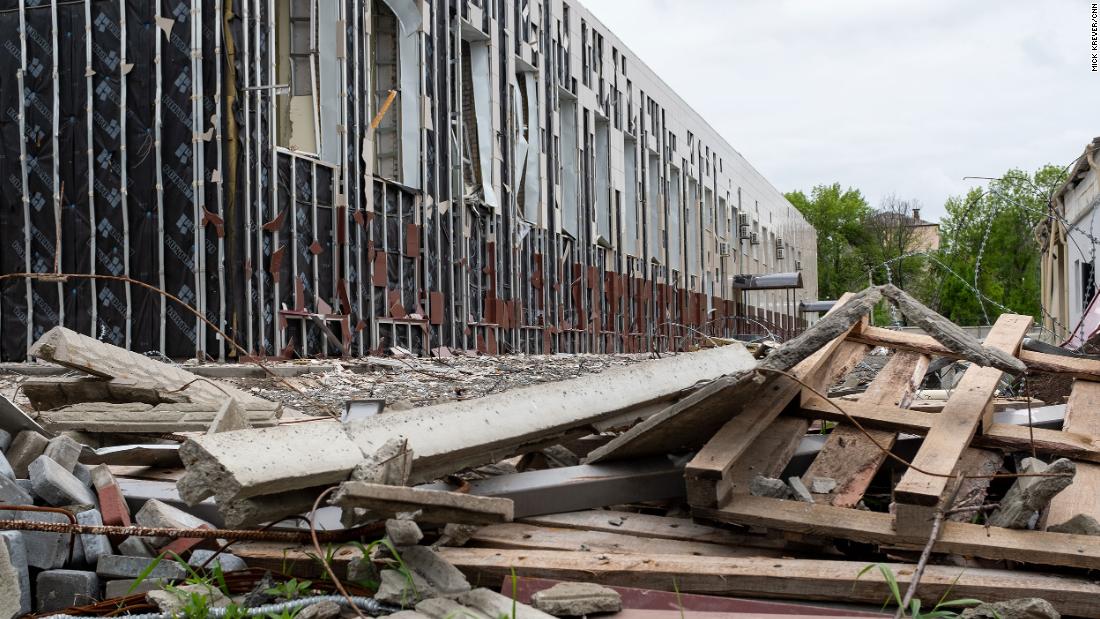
{"x": 50, "y": 393}
{"x": 158, "y": 514}
{"x": 231, "y": 416}
{"x": 577, "y": 598}
{"x": 1028, "y": 495}
{"x": 436, "y": 506}
{"x": 64, "y": 451}
{"x": 494, "y": 604}
{"x": 80, "y": 352}
{"x": 56, "y": 486}
{"x": 25, "y": 448}
{"x": 109, "y": 418}
{"x": 15, "y": 580}
{"x": 268, "y": 508}
{"x": 61, "y": 589}
{"x": 426, "y": 576}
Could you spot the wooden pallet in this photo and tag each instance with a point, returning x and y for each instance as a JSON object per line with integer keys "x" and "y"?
{"x": 960, "y": 438}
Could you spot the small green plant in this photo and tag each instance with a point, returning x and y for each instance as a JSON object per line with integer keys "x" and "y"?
{"x": 400, "y": 567}
{"x": 235, "y": 611}
{"x": 286, "y": 614}
{"x": 290, "y": 589}
{"x": 942, "y": 609}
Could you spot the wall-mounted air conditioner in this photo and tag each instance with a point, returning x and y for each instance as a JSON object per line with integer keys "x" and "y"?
{"x": 723, "y": 249}
{"x": 743, "y": 226}
{"x": 754, "y": 238}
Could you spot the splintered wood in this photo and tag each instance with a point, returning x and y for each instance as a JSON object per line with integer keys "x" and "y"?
{"x": 960, "y": 439}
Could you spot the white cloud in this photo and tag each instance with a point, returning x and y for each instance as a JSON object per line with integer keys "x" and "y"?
{"x": 885, "y": 96}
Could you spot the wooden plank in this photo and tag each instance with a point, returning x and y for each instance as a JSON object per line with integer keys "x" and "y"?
{"x": 805, "y": 579}
{"x": 647, "y": 525}
{"x": 1082, "y": 417}
{"x": 954, "y": 427}
{"x": 849, "y": 456}
{"x": 972, "y": 540}
{"x": 528, "y": 536}
{"x": 1083, "y": 369}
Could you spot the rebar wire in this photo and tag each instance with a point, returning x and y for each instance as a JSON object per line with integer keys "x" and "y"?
{"x": 891, "y": 455}
{"x": 315, "y": 538}
{"x": 252, "y": 535}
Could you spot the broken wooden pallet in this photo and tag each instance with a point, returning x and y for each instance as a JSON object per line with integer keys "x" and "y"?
{"x": 957, "y": 439}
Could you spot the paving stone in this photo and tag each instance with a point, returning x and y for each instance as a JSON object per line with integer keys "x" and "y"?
{"x": 12, "y": 492}
{"x": 121, "y": 566}
{"x": 45, "y": 551}
{"x": 56, "y": 486}
{"x": 95, "y": 546}
{"x": 160, "y": 514}
{"x": 14, "y": 556}
{"x": 403, "y": 532}
{"x": 5, "y": 440}
{"x": 64, "y": 451}
{"x": 577, "y": 598}
{"x": 125, "y": 587}
{"x": 25, "y": 448}
{"x": 112, "y": 505}
{"x": 229, "y": 562}
{"x": 83, "y": 472}
{"x": 5, "y": 467}
{"x": 60, "y": 589}
{"x": 136, "y": 547}
{"x": 496, "y": 605}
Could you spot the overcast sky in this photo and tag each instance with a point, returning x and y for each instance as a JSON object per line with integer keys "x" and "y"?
{"x": 888, "y": 97}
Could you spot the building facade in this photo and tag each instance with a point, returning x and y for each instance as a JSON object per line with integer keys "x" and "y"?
{"x": 1070, "y": 239}
{"x": 327, "y": 177}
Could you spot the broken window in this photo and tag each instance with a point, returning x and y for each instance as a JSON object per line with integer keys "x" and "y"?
{"x": 603, "y": 181}
{"x": 296, "y": 66}
{"x": 630, "y": 212}
{"x": 386, "y": 73}
{"x": 569, "y": 184}
{"x": 675, "y": 236}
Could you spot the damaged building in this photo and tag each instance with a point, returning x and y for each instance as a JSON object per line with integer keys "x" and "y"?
{"x": 322, "y": 178}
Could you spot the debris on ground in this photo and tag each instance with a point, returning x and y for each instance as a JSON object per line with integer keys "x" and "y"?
{"x": 848, "y": 465}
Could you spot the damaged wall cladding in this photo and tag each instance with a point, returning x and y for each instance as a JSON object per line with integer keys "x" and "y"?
{"x": 334, "y": 177}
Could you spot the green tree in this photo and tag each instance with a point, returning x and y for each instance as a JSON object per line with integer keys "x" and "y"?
{"x": 989, "y": 256}
{"x": 838, "y": 215}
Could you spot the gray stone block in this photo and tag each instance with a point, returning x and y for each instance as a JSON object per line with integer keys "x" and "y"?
{"x": 56, "y": 486}
{"x": 60, "y": 589}
{"x": 64, "y": 451}
{"x": 229, "y": 562}
{"x": 12, "y": 492}
{"x": 158, "y": 514}
{"x": 16, "y": 548}
{"x": 5, "y": 467}
{"x": 136, "y": 547}
{"x": 5, "y": 440}
{"x": 10, "y": 590}
{"x": 125, "y": 587}
{"x": 25, "y": 448}
{"x": 83, "y": 472}
{"x": 45, "y": 551}
{"x": 95, "y": 546}
{"x": 121, "y": 566}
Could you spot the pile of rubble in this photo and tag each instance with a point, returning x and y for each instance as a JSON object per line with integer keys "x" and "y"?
{"x": 700, "y": 474}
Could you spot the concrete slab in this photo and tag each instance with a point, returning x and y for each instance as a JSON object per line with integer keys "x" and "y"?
{"x": 436, "y": 506}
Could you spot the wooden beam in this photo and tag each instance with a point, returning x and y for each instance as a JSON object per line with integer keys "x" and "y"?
{"x": 1083, "y": 418}
{"x": 805, "y": 579}
{"x": 1083, "y": 369}
{"x": 852, "y": 458}
{"x": 958, "y": 538}
{"x": 954, "y": 427}
{"x": 528, "y": 536}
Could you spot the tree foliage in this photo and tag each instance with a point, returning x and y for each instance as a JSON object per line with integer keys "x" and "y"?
{"x": 838, "y": 215}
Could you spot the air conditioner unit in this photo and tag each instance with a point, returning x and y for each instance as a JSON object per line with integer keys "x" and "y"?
{"x": 743, "y": 219}
{"x": 779, "y": 252}
{"x": 754, "y": 238}
{"x": 743, "y": 226}
{"x": 723, "y": 249}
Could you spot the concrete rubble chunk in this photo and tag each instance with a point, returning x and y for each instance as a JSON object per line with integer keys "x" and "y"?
{"x": 577, "y": 598}
{"x": 391, "y": 464}
{"x": 1028, "y": 495}
{"x": 268, "y": 508}
{"x": 799, "y": 490}
{"x": 320, "y": 610}
{"x": 494, "y": 604}
{"x": 119, "y": 566}
{"x": 228, "y": 561}
{"x": 443, "y": 608}
{"x": 769, "y": 487}
{"x": 1081, "y": 524}
{"x": 445, "y": 578}
{"x": 26, "y": 448}
{"x": 436, "y": 506}
{"x": 403, "y": 532}
{"x": 12, "y": 493}
{"x": 80, "y": 352}
{"x": 400, "y": 589}
{"x": 173, "y": 601}
{"x": 822, "y": 485}
{"x": 15, "y": 582}
{"x": 231, "y": 416}
{"x": 455, "y": 534}
{"x": 1019, "y": 608}
{"x": 158, "y": 514}
{"x": 64, "y": 451}
{"x": 61, "y": 589}
{"x": 56, "y": 486}
{"x": 107, "y": 418}
{"x": 95, "y": 546}
{"x": 45, "y": 551}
